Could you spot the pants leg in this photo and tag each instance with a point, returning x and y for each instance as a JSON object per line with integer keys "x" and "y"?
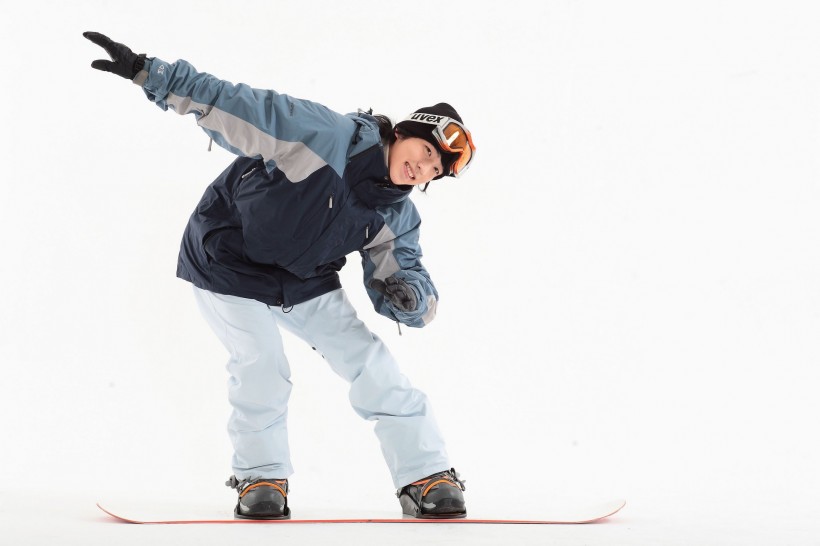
{"x": 259, "y": 384}
{"x": 410, "y": 440}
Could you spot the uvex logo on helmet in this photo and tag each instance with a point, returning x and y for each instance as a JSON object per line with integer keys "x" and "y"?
{"x": 426, "y": 118}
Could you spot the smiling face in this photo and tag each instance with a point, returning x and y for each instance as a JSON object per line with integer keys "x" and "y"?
{"x": 413, "y": 161}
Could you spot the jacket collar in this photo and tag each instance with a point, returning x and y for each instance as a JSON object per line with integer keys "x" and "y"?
{"x": 375, "y": 187}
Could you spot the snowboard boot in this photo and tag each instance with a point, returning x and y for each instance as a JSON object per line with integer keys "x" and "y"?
{"x": 261, "y": 499}
{"x": 436, "y": 496}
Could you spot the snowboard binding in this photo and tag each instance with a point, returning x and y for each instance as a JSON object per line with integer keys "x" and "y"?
{"x": 261, "y": 498}
{"x": 438, "y": 496}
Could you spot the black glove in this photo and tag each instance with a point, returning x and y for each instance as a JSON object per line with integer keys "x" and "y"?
{"x": 398, "y": 292}
{"x": 124, "y": 62}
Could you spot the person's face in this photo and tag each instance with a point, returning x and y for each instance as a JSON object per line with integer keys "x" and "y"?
{"x": 413, "y": 161}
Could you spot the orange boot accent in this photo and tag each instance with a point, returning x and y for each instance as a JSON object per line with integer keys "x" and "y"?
{"x": 271, "y": 484}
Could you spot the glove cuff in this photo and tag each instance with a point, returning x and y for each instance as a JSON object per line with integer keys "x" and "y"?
{"x": 139, "y": 64}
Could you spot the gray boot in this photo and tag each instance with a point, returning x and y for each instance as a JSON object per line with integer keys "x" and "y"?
{"x": 436, "y": 496}
{"x": 261, "y": 499}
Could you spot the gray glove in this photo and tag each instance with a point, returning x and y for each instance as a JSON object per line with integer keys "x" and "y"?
{"x": 397, "y": 292}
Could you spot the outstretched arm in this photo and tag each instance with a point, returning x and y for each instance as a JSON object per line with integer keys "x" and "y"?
{"x": 296, "y": 135}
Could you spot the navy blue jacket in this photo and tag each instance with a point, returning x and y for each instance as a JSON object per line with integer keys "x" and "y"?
{"x": 309, "y": 187}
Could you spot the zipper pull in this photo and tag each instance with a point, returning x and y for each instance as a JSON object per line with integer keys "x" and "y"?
{"x": 367, "y": 231}
{"x": 330, "y": 202}
{"x": 209, "y": 144}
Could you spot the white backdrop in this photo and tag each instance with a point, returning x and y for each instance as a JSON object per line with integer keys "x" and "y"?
{"x": 628, "y": 273}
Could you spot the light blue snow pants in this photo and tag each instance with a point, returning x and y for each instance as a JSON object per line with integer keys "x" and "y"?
{"x": 259, "y": 384}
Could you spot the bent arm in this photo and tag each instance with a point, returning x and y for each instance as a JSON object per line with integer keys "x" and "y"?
{"x": 395, "y": 251}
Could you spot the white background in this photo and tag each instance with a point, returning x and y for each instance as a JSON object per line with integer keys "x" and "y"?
{"x": 628, "y": 272}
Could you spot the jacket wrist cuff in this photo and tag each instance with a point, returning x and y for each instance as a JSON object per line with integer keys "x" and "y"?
{"x": 144, "y": 68}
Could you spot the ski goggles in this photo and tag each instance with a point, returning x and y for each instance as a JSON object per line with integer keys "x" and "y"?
{"x": 452, "y": 137}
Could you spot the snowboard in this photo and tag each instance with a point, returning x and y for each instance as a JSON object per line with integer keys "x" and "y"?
{"x": 568, "y": 515}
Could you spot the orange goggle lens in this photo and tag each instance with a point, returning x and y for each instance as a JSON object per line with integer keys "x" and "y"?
{"x": 456, "y": 139}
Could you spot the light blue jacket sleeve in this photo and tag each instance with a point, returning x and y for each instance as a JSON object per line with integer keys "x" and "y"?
{"x": 395, "y": 251}
{"x": 296, "y": 135}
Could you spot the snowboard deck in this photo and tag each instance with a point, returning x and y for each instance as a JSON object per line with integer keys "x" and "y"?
{"x": 570, "y": 515}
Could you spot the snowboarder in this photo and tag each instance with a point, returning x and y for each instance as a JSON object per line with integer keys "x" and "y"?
{"x": 263, "y": 249}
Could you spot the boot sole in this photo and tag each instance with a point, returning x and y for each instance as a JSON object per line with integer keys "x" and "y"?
{"x": 435, "y": 516}
{"x": 237, "y": 515}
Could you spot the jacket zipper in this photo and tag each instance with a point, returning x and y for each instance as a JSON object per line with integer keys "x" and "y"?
{"x": 248, "y": 173}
